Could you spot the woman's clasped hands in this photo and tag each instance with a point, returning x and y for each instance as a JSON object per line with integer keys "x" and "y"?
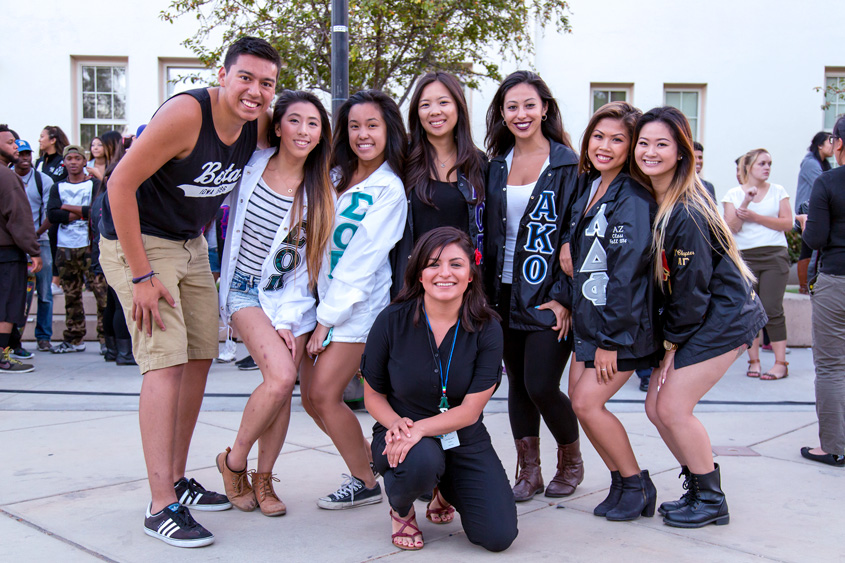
{"x": 399, "y": 439}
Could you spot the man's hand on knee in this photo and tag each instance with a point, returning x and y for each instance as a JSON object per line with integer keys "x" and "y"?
{"x": 145, "y": 298}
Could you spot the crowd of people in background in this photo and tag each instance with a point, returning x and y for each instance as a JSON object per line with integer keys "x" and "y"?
{"x": 65, "y": 191}
{"x": 424, "y": 265}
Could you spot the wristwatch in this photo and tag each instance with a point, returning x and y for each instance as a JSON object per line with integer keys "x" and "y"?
{"x": 668, "y": 346}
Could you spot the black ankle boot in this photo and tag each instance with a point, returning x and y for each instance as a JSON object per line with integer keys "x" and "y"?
{"x": 708, "y": 504}
{"x": 111, "y": 349}
{"x": 685, "y": 499}
{"x": 613, "y": 495}
{"x": 638, "y": 498}
{"x": 124, "y": 353}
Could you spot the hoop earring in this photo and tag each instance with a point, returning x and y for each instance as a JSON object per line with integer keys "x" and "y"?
{"x": 545, "y": 117}
{"x": 504, "y": 123}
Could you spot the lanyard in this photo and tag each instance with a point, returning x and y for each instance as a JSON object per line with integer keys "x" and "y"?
{"x": 444, "y": 378}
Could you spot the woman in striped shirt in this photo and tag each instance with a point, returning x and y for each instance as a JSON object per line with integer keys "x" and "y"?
{"x": 283, "y": 213}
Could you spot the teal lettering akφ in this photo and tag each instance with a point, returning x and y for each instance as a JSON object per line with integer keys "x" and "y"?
{"x": 352, "y": 211}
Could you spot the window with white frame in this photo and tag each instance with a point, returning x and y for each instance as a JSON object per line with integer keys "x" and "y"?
{"x": 179, "y": 78}
{"x": 102, "y": 99}
{"x": 601, "y": 94}
{"x": 834, "y": 97}
{"x": 687, "y": 99}
{"x": 177, "y": 75}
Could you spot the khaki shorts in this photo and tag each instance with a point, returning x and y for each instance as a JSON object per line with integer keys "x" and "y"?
{"x": 192, "y": 325}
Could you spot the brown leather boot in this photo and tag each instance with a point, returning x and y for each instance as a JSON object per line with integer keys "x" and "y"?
{"x": 802, "y": 266}
{"x": 570, "y": 471}
{"x": 529, "y": 479}
{"x": 262, "y": 484}
{"x": 236, "y": 484}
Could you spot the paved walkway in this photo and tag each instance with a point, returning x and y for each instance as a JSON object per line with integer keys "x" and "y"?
{"x": 74, "y": 485}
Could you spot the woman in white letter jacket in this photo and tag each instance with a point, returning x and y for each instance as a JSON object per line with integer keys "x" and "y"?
{"x": 290, "y": 304}
{"x": 355, "y": 279}
{"x": 282, "y": 213}
{"x": 354, "y": 283}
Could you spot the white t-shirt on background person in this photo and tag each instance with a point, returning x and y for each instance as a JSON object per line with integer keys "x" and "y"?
{"x": 755, "y": 235}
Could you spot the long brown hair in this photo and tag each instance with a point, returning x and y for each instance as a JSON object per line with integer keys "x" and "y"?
{"x": 475, "y": 311}
{"x": 420, "y": 167}
{"x": 113, "y": 149}
{"x": 622, "y": 111}
{"x": 685, "y": 189}
{"x": 315, "y": 181}
{"x": 55, "y": 132}
{"x": 499, "y": 138}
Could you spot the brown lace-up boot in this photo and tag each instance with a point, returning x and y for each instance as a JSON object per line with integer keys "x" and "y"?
{"x": 236, "y": 484}
{"x": 570, "y": 471}
{"x": 262, "y": 484}
{"x": 529, "y": 479}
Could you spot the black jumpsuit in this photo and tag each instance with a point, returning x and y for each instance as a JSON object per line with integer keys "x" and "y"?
{"x": 399, "y": 363}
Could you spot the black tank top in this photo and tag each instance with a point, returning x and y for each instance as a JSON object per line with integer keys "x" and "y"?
{"x": 182, "y": 196}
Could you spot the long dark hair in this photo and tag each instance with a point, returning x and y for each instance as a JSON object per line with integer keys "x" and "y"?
{"x": 420, "y": 166}
{"x": 499, "y": 139}
{"x": 345, "y": 159}
{"x": 55, "y": 132}
{"x": 820, "y": 138}
{"x": 315, "y": 181}
{"x": 475, "y": 311}
{"x": 113, "y": 149}
{"x": 622, "y": 111}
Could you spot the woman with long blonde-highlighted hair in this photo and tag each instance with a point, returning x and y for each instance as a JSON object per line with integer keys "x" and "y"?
{"x": 710, "y": 315}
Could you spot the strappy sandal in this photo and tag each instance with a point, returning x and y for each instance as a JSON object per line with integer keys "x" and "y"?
{"x": 750, "y": 373}
{"x": 445, "y": 510}
{"x": 772, "y": 377}
{"x": 403, "y": 534}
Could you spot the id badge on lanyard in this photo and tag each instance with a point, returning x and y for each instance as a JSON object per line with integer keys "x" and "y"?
{"x": 450, "y": 440}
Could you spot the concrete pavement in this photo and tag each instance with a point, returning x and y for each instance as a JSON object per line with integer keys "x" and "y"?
{"x": 74, "y": 485}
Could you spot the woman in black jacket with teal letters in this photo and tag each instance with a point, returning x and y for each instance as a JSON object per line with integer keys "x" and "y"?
{"x": 530, "y": 187}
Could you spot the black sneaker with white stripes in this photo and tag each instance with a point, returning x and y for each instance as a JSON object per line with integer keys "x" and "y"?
{"x": 175, "y": 525}
{"x": 194, "y": 496}
{"x": 351, "y": 493}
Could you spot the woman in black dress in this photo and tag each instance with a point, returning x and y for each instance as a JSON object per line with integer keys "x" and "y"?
{"x": 432, "y": 361}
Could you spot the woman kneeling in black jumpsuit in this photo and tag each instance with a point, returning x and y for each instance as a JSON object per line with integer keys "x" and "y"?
{"x": 432, "y": 361}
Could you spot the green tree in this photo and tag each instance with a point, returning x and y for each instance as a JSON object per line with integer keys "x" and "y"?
{"x": 391, "y": 42}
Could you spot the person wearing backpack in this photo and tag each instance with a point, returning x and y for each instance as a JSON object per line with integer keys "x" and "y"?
{"x": 38, "y": 186}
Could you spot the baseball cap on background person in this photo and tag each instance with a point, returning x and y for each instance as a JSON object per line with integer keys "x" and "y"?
{"x": 73, "y": 149}
{"x": 23, "y": 146}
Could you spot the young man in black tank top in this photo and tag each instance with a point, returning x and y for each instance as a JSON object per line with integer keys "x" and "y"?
{"x": 167, "y": 187}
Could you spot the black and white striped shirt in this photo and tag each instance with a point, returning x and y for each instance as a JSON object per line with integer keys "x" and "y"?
{"x": 265, "y": 212}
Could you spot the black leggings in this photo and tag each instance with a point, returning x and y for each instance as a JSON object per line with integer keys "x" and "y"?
{"x": 114, "y": 321}
{"x": 534, "y": 362}
{"x": 471, "y": 479}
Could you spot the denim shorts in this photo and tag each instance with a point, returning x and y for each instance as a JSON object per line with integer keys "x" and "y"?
{"x": 243, "y": 292}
